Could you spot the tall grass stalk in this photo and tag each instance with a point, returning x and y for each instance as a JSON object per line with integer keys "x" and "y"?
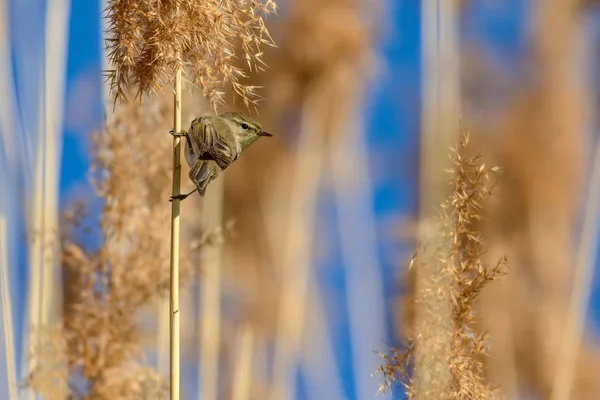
{"x": 582, "y": 287}
{"x": 7, "y": 320}
{"x": 540, "y": 135}
{"x": 44, "y": 278}
{"x": 7, "y": 97}
{"x": 317, "y": 358}
{"x": 174, "y": 260}
{"x": 440, "y": 119}
{"x": 56, "y": 38}
{"x": 149, "y": 44}
{"x": 297, "y": 248}
{"x": 564, "y": 111}
{"x": 456, "y": 346}
{"x": 163, "y": 358}
{"x": 365, "y": 301}
{"x": 210, "y": 292}
{"x": 35, "y": 253}
{"x": 110, "y": 289}
{"x": 244, "y": 351}
{"x": 327, "y": 49}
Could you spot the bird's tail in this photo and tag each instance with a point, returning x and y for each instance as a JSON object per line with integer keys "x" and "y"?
{"x": 202, "y": 172}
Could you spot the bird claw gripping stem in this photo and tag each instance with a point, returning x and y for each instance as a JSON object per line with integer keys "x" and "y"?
{"x": 175, "y": 134}
{"x": 182, "y": 196}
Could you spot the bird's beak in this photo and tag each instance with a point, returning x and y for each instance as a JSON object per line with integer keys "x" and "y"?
{"x": 263, "y": 133}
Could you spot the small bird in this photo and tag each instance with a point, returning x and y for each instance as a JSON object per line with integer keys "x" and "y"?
{"x": 213, "y": 143}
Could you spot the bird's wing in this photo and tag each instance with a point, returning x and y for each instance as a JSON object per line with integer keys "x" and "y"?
{"x": 205, "y": 141}
{"x": 202, "y": 172}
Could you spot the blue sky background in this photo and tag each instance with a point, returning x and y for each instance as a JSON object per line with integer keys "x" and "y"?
{"x": 392, "y": 111}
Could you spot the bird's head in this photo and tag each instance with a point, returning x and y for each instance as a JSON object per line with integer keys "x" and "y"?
{"x": 245, "y": 129}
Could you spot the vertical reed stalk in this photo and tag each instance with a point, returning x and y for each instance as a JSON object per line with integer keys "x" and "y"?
{"x": 57, "y": 17}
{"x": 150, "y": 43}
{"x": 12, "y": 169}
{"x": 297, "y": 251}
{"x": 7, "y": 320}
{"x": 174, "y": 261}
{"x": 317, "y": 358}
{"x": 440, "y": 130}
{"x": 210, "y": 291}
{"x": 162, "y": 336}
{"x": 564, "y": 111}
{"x": 364, "y": 296}
{"x": 243, "y": 366}
{"x": 35, "y": 228}
{"x": 9, "y": 143}
{"x": 582, "y": 287}
{"x": 7, "y": 97}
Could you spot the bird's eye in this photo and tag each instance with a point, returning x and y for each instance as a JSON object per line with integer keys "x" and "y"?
{"x": 244, "y": 126}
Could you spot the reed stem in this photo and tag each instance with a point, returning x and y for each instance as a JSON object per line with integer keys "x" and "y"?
{"x": 582, "y": 288}
{"x": 174, "y": 261}
{"x": 210, "y": 296}
{"x": 7, "y": 320}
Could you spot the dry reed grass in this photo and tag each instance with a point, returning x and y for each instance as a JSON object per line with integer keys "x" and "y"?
{"x": 97, "y": 353}
{"x": 461, "y": 277}
{"x": 525, "y": 313}
{"x": 44, "y": 279}
{"x": 150, "y": 45}
{"x": 149, "y": 41}
{"x": 440, "y": 118}
{"x": 7, "y": 319}
{"x": 540, "y": 138}
{"x": 315, "y": 80}
{"x": 577, "y": 311}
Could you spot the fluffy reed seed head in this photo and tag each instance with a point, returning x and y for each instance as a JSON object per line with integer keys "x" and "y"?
{"x": 464, "y": 275}
{"x": 149, "y": 40}
{"x": 97, "y": 351}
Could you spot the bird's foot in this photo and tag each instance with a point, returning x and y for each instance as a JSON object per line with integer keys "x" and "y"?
{"x": 176, "y": 134}
{"x": 182, "y": 196}
{"x": 179, "y": 197}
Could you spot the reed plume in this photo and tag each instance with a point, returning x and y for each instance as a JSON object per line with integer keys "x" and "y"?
{"x": 97, "y": 353}
{"x": 148, "y": 42}
{"x": 541, "y": 139}
{"x": 461, "y": 278}
{"x": 152, "y": 44}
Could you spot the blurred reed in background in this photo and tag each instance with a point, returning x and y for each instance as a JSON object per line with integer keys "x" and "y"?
{"x": 452, "y": 274}
{"x": 98, "y": 346}
{"x": 32, "y": 150}
{"x": 538, "y": 135}
{"x": 540, "y": 139}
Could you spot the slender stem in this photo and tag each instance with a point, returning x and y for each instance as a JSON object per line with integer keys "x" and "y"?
{"x": 57, "y": 14}
{"x": 317, "y": 357}
{"x": 346, "y": 153}
{"x": 7, "y": 320}
{"x": 242, "y": 377}
{"x": 439, "y": 122}
{"x": 174, "y": 306}
{"x": 210, "y": 295}
{"x": 582, "y": 287}
{"x": 35, "y": 228}
{"x": 296, "y": 258}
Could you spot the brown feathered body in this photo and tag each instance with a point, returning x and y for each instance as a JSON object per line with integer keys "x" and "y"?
{"x": 214, "y": 142}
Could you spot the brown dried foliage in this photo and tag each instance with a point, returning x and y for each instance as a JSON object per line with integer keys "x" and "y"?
{"x": 322, "y": 40}
{"x": 540, "y": 137}
{"x": 325, "y": 47}
{"x": 149, "y": 40}
{"x": 462, "y": 276}
{"x": 97, "y": 353}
